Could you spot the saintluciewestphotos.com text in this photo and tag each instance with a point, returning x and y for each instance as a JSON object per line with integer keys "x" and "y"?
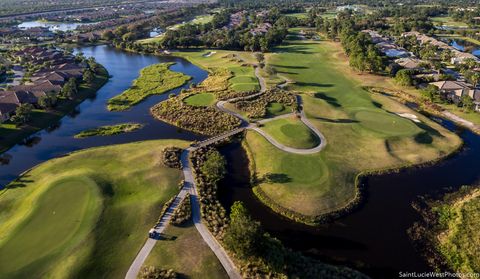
{"x": 438, "y": 275}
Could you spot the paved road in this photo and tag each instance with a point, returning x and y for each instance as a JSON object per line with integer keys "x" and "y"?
{"x": 188, "y": 187}
{"x": 217, "y": 249}
{"x": 159, "y": 228}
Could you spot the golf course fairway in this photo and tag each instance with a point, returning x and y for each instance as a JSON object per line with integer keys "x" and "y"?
{"x": 84, "y": 215}
{"x": 364, "y": 132}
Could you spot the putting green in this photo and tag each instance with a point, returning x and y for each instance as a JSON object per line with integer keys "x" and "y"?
{"x": 70, "y": 206}
{"x": 291, "y": 132}
{"x": 200, "y": 100}
{"x": 385, "y": 123}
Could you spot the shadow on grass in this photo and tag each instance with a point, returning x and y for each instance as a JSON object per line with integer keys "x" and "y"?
{"x": 330, "y": 100}
{"x": 377, "y": 104}
{"x": 20, "y": 182}
{"x": 314, "y": 84}
{"x": 341, "y": 121}
{"x": 276, "y": 178}
{"x": 288, "y": 67}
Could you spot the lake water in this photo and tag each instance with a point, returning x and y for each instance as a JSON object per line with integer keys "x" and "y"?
{"x": 465, "y": 46}
{"x": 124, "y": 68}
{"x": 52, "y": 26}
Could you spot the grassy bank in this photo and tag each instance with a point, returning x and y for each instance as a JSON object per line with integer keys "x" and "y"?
{"x": 237, "y": 62}
{"x": 201, "y": 99}
{"x": 363, "y": 132}
{"x": 110, "y": 130}
{"x": 41, "y": 119}
{"x": 91, "y": 211}
{"x": 153, "y": 80}
{"x": 184, "y": 251}
{"x": 451, "y": 232}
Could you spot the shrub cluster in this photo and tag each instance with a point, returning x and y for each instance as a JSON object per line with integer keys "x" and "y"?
{"x": 183, "y": 212}
{"x": 202, "y": 120}
{"x": 152, "y": 272}
{"x": 256, "y": 107}
{"x": 171, "y": 157}
{"x": 212, "y": 210}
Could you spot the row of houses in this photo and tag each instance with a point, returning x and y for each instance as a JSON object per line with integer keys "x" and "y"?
{"x": 458, "y": 57}
{"x": 386, "y": 45}
{"x": 47, "y": 81}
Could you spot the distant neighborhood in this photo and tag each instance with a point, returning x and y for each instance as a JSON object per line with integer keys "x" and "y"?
{"x": 55, "y": 69}
{"x": 441, "y": 69}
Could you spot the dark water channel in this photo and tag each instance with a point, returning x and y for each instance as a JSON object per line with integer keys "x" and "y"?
{"x": 124, "y": 68}
{"x": 373, "y": 238}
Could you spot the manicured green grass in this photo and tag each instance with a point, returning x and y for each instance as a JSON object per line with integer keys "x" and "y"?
{"x": 237, "y": 62}
{"x": 84, "y": 215}
{"x": 41, "y": 119}
{"x": 447, "y": 21}
{"x": 362, "y": 131}
{"x": 153, "y": 80}
{"x": 201, "y": 100}
{"x": 291, "y": 132}
{"x": 275, "y": 109}
{"x": 298, "y": 15}
{"x": 184, "y": 251}
{"x": 110, "y": 130}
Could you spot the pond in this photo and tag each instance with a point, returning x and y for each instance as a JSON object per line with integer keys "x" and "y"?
{"x": 52, "y": 26}
{"x": 465, "y": 46}
{"x": 57, "y": 141}
{"x": 374, "y": 237}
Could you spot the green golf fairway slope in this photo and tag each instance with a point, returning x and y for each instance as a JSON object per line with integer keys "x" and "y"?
{"x": 291, "y": 132}
{"x": 84, "y": 215}
{"x": 363, "y": 132}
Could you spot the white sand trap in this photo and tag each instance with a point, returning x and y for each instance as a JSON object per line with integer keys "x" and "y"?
{"x": 410, "y": 116}
{"x": 208, "y": 54}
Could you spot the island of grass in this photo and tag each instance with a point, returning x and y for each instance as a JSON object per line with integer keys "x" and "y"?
{"x": 185, "y": 252}
{"x": 200, "y": 99}
{"x": 240, "y": 64}
{"x": 109, "y": 130}
{"x": 291, "y": 132}
{"x": 10, "y": 134}
{"x": 363, "y": 132}
{"x": 85, "y": 215}
{"x": 453, "y": 231}
{"x": 153, "y": 80}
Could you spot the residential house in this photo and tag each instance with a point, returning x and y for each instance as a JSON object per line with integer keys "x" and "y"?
{"x": 455, "y": 90}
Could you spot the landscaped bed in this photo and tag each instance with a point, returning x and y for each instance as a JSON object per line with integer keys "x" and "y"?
{"x": 84, "y": 215}
{"x": 110, "y": 130}
{"x": 154, "y": 79}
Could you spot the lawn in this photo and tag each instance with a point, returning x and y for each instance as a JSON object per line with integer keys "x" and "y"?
{"x": 185, "y": 252}
{"x": 362, "y": 130}
{"x": 91, "y": 211}
{"x": 298, "y": 15}
{"x": 41, "y": 119}
{"x": 447, "y": 21}
{"x": 110, "y": 130}
{"x": 201, "y": 99}
{"x": 153, "y": 80}
{"x": 291, "y": 132}
{"x": 237, "y": 62}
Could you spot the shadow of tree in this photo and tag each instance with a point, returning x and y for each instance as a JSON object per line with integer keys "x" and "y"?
{"x": 276, "y": 178}
{"x": 330, "y": 100}
{"x": 341, "y": 120}
{"x": 377, "y": 104}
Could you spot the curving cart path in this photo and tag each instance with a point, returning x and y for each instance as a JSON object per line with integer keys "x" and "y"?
{"x": 189, "y": 185}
